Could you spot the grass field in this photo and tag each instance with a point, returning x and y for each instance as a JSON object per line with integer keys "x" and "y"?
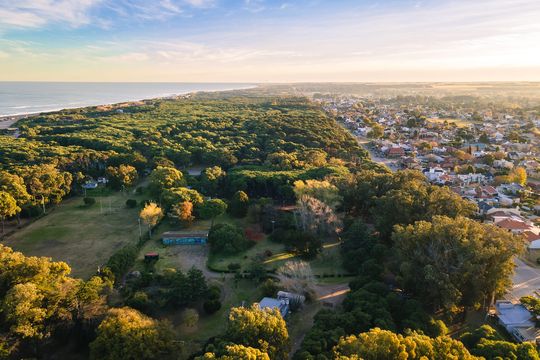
{"x": 84, "y": 237}
{"x": 235, "y": 293}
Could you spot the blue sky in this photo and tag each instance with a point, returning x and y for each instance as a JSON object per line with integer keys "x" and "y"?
{"x": 269, "y": 41}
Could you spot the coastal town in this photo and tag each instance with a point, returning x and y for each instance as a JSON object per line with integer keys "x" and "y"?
{"x": 487, "y": 157}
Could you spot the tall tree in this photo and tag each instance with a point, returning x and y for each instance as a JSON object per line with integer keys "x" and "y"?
{"x": 449, "y": 263}
{"x": 183, "y": 212}
{"x": 380, "y": 344}
{"x": 150, "y": 215}
{"x": 238, "y": 206}
{"x": 164, "y": 177}
{"x": 211, "y": 178}
{"x": 127, "y": 334}
{"x": 8, "y": 207}
{"x": 123, "y": 175}
{"x": 15, "y": 186}
{"x": 259, "y": 328}
{"x": 211, "y": 209}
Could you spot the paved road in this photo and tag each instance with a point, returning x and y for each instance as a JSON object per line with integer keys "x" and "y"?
{"x": 526, "y": 281}
{"x": 390, "y": 163}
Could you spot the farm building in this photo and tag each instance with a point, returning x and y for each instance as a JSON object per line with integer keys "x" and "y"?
{"x": 180, "y": 238}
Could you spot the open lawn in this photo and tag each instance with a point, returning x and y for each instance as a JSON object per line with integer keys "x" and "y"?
{"x": 273, "y": 255}
{"x": 84, "y": 237}
{"x": 234, "y": 293}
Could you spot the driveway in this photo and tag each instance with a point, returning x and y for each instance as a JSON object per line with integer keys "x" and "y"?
{"x": 526, "y": 281}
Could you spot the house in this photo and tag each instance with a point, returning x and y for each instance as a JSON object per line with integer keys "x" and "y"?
{"x": 434, "y": 174}
{"x": 484, "y": 207}
{"x": 395, "y": 152}
{"x": 270, "y": 303}
{"x": 517, "y": 320}
{"x": 179, "y": 238}
{"x": 90, "y": 185}
{"x": 513, "y": 225}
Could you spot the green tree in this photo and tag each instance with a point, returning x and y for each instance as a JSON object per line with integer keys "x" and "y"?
{"x": 163, "y": 178}
{"x": 321, "y": 190}
{"x": 15, "y": 186}
{"x": 211, "y": 178}
{"x": 46, "y": 184}
{"x": 210, "y": 209}
{"x": 457, "y": 262}
{"x": 380, "y": 344}
{"x": 174, "y": 196}
{"x": 227, "y": 239}
{"x": 261, "y": 329}
{"x": 127, "y": 334}
{"x": 123, "y": 175}
{"x": 239, "y": 204}
{"x": 8, "y": 207}
{"x": 237, "y": 352}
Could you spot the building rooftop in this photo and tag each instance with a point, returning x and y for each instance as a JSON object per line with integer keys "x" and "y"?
{"x": 271, "y": 303}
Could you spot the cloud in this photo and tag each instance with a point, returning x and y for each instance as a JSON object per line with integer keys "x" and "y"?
{"x": 36, "y": 13}
{"x": 200, "y": 3}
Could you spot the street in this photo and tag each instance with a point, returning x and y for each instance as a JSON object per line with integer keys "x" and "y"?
{"x": 526, "y": 281}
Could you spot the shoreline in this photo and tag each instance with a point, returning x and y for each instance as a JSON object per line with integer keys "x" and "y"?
{"x": 7, "y": 121}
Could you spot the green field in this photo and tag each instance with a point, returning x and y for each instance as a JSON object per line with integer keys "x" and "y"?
{"x": 84, "y": 237}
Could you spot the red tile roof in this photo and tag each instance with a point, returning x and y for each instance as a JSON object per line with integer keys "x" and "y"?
{"x": 512, "y": 224}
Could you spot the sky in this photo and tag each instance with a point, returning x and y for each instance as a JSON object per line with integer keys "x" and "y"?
{"x": 269, "y": 41}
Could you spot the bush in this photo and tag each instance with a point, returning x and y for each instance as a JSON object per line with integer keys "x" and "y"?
{"x": 122, "y": 260}
{"x": 139, "y": 301}
{"x": 227, "y": 239}
{"x": 89, "y": 201}
{"x": 234, "y": 266}
{"x": 131, "y": 203}
{"x": 190, "y": 317}
{"x": 269, "y": 288}
{"x": 214, "y": 293}
{"x": 211, "y": 306}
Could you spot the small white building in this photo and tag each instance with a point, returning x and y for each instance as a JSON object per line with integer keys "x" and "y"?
{"x": 517, "y": 320}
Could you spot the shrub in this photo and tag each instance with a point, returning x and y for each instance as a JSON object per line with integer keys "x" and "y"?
{"x": 139, "y": 301}
{"x": 227, "y": 239}
{"x": 131, "y": 203}
{"x": 89, "y": 201}
{"x": 211, "y": 306}
{"x": 122, "y": 260}
{"x": 190, "y": 317}
{"x": 214, "y": 293}
{"x": 269, "y": 288}
{"x": 234, "y": 266}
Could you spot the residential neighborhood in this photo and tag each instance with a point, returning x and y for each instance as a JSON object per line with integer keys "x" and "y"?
{"x": 489, "y": 158}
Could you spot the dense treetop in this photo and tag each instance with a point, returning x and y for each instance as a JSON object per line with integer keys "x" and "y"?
{"x": 204, "y": 129}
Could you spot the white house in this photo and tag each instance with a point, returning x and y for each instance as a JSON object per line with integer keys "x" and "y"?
{"x": 517, "y": 320}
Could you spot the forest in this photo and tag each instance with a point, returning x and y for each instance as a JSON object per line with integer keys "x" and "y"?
{"x": 280, "y": 164}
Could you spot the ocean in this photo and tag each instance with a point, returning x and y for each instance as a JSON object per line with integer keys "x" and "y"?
{"x": 19, "y": 98}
